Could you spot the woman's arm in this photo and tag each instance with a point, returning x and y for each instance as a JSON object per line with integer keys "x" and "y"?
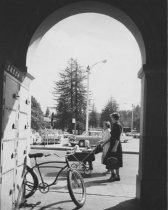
{"x": 116, "y": 136}
{"x": 114, "y": 149}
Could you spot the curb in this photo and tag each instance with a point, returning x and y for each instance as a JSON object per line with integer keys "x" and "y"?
{"x": 130, "y": 152}
{"x": 68, "y": 148}
{"x": 51, "y": 148}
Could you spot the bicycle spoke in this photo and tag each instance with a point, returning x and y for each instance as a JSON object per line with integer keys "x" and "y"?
{"x": 76, "y": 188}
{"x": 30, "y": 183}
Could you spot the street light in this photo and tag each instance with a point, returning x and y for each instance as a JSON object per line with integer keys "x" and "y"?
{"x": 87, "y": 105}
{"x": 132, "y": 118}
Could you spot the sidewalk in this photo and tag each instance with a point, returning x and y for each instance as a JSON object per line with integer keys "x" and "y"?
{"x": 101, "y": 195}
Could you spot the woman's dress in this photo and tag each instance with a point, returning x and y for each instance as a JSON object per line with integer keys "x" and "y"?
{"x": 115, "y": 135}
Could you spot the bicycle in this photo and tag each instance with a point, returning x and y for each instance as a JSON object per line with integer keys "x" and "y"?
{"x": 31, "y": 182}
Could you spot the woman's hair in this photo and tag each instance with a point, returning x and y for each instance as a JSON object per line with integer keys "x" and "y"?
{"x": 107, "y": 124}
{"x": 115, "y": 115}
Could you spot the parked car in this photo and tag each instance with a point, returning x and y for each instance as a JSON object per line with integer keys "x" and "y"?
{"x": 50, "y": 138}
{"x": 128, "y": 134}
{"x": 94, "y": 136}
{"x": 135, "y": 134}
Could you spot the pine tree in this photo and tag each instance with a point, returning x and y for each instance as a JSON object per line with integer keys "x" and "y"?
{"x": 126, "y": 117}
{"x": 47, "y": 114}
{"x": 70, "y": 94}
{"x": 110, "y": 107}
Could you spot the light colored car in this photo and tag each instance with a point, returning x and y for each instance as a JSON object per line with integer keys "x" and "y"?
{"x": 50, "y": 138}
{"x": 133, "y": 133}
{"x": 136, "y": 135}
{"x": 94, "y": 136}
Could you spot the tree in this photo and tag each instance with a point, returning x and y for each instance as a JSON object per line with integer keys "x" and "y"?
{"x": 70, "y": 95}
{"x": 47, "y": 114}
{"x": 37, "y": 121}
{"x": 110, "y": 107}
{"x": 126, "y": 117}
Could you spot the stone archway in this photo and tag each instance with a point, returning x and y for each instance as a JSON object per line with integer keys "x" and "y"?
{"x": 147, "y": 22}
{"x": 82, "y": 7}
{"x": 149, "y": 74}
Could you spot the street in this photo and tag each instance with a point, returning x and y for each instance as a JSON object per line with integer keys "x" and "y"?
{"x": 100, "y": 193}
{"x": 132, "y": 145}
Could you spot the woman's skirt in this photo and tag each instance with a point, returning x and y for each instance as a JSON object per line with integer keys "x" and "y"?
{"x": 105, "y": 150}
{"x": 117, "y": 154}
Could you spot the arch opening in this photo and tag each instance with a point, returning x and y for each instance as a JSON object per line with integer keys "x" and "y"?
{"x": 79, "y": 8}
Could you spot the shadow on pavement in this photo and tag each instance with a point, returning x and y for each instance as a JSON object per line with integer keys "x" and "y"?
{"x": 63, "y": 176}
{"x": 131, "y": 204}
{"x": 54, "y": 174}
{"x": 93, "y": 175}
{"x": 30, "y": 206}
{"x": 57, "y": 188}
{"x": 53, "y": 206}
{"x": 95, "y": 183}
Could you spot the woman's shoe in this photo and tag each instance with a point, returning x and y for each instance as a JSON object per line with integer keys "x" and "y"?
{"x": 114, "y": 178}
{"x": 117, "y": 178}
{"x": 111, "y": 179}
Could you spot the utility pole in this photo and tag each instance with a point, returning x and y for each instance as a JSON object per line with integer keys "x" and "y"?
{"x": 132, "y": 118}
{"x": 87, "y": 105}
{"x": 76, "y": 96}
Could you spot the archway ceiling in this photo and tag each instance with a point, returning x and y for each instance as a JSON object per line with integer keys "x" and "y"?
{"x": 22, "y": 18}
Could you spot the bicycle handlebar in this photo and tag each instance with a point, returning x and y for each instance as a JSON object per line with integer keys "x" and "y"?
{"x": 35, "y": 155}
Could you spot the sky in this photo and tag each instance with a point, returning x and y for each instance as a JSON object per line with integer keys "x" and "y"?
{"x": 89, "y": 38}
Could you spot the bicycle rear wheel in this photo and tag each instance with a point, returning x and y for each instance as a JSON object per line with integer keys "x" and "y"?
{"x": 76, "y": 187}
{"x": 30, "y": 182}
{"x": 21, "y": 198}
{"x": 28, "y": 187}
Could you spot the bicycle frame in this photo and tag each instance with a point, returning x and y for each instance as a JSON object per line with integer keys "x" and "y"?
{"x": 44, "y": 165}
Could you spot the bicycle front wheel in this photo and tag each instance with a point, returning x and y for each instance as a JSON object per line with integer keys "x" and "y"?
{"x": 30, "y": 182}
{"x": 76, "y": 187}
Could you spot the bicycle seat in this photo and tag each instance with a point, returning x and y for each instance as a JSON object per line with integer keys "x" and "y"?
{"x": 36, "y": 155}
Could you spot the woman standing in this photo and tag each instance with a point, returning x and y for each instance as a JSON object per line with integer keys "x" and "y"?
{"x": 105, "y": 143}
{"x": 115, "y": 149}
